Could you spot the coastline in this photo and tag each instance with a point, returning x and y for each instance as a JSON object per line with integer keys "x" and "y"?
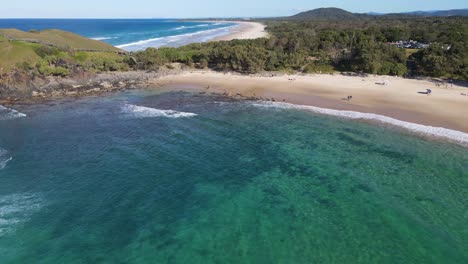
{"x": 240, "y": 30}
{"x": 400, "y": 99}
{"x": 243, "y": 30}
{"x": 399, "y": 103}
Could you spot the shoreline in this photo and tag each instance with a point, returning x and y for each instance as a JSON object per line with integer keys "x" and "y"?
{"x": 398, "y": 104}
{"x": 400, "y": 99}
{"x": 243, "y": 30}
{"x": 236, "y": 30}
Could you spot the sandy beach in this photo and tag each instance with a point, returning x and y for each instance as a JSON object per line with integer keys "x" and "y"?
{"x": 244, "y": 30}
{"x": 400, "y": 98}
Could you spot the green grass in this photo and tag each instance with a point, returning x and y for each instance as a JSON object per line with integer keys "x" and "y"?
{"x": 14, "y": 53}
{"x": 60, "y": 39}
{"x": 42, "y": 50}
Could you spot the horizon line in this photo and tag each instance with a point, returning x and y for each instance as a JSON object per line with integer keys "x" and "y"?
{"x": 241, "y": 17}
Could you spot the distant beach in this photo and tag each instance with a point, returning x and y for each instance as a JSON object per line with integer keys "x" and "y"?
{"x": 244, "y": 30}
{"x": 229, "y": 30}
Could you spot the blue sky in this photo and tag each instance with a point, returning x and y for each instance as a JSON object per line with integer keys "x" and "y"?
{"x": 204, "y": 8}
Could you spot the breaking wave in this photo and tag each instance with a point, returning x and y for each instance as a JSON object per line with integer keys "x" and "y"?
{"x": 439, "y": 132}
{"x": 176, "y": 40}
{"x": 197, "y": 26}
{"x": 136, "y": 111}
{"x": 8, "y": 113}
{"x": 4, "y": 158}
{"x": 16, "y": 209}
{"x": 103, "y": 38}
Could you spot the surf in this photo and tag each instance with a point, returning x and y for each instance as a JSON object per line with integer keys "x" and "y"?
{"x": 103, "y": 38}
{"x": 8, "y": 113}
{"x": 4, "y": 158}
{"x": 16, "y": 209}
{"x": 147, "y": 112}
{"x": 197, "y": 26}
{"x": 175, "y": 40}
{"x": 438, "y": 132}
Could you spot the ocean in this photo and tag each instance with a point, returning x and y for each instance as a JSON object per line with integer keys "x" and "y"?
{"x": 147, "y": 176}
{"x": 130, "y": 34}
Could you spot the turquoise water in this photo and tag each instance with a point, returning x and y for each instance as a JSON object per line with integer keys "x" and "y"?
{"x": 120, "y": 179}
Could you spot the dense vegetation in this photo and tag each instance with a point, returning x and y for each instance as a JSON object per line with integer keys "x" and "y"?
{"x": 358, "y": 45}
{"x": 335, "y": 41}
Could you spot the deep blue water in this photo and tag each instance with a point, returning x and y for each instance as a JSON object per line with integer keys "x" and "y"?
{"x": 129, "y": 34}
{"x": 179, "y": 177}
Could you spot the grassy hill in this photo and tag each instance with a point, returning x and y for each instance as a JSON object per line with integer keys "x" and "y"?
{"x": 58, "y": 38}
{"x": 12, "y": 53}
{"x": 55, "y": 52}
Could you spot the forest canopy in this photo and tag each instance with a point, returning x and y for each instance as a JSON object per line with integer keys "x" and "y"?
{"x": 358, "y": 45}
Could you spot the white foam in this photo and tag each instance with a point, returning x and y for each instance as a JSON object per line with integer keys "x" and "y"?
{"x": 103, "y": 38}
{"x": 8, "y": 113}
{"x": 4, "y": 158}
{"x": 176, "y": 40}
{"x": 439, "y": 132}
{"x": 136, "y": 111}
{"x": 16, "y": 209}
{"x": 196, "y": 26}
{"x": 3, "y": 163}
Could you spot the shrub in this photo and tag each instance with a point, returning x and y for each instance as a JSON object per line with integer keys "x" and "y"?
{"x": 44, "y": 68}
{"x": 81, "y": 56}
{"x": 44, "y": 51}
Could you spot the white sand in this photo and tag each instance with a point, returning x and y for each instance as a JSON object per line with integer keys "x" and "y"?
{"x": 244, "y": 30}
{"x": 446, "y": 107}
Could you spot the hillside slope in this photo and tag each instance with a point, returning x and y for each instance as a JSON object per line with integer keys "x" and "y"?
{"x": 13, "y": 53}
{"x": 54, "y": 52}
{"x": 58, "y": 38}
